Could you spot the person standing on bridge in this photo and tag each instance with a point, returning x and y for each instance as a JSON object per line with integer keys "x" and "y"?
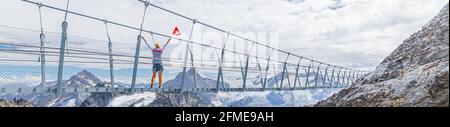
{"x": 157, "y": 61}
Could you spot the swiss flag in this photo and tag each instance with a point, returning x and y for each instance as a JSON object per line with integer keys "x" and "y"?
{"x": 176, "y": 31}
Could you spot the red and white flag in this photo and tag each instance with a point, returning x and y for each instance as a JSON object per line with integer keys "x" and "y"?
{"x": 176, "y": 31}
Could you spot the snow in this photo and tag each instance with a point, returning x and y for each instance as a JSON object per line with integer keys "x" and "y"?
{"x": 274, "y": 98}
{"x": 127, "y": 100}
{"x": 222, "y": 99}
{"x": 69, "y": 103}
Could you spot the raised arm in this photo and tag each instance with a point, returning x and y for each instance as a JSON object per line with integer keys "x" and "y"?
{"x": 168, "y": 41}
{"x": 145, "y": 40}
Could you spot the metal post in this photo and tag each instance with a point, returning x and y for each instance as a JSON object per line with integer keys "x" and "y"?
{"x": 221, "y": 59}
{"x": 353, "y": 77}
{"x": 307, "y": 75}
{"x": 111, "y": 63}
{"x": 325, "y": 76}
{"x": 138, "y": 48}
{"x": 343, "y": 78}
{"x": 193, "y": 68}
{"x": 267, "y": 70}
{"x": 186, "y": 56}
{"x": 259, "y": 70}
{"x": 338, "y": 77}
{"x": 296, "y": 73}
{"x": 332, "y": 77}
{"x": 357, "y": 74}
{"x": 284, "y": 71}
{"x": 42, "y": 49}
{"x": 348, "y": 78}
{"x": 275, "y": 72}
{"x": 244, "y": 86}
{"x": 317, "y": 75}
{"x": 42, "y": 60}
{"x": 61, "y": 52}
{"x": 287, "y": 77}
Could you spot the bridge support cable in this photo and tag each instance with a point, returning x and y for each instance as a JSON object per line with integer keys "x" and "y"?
{"x": 111, "y": 60}
{"x": 61, "y": 52}
{"x": 138, "y": 48}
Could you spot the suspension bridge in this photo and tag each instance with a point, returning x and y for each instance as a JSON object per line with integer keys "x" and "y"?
{"x": 297, "y": 72}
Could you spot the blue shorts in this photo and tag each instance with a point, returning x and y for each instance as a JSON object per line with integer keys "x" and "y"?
{"x": 158, "y": 67}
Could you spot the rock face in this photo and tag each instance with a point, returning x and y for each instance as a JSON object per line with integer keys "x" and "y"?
{"x": 15, "y": 103}
{"x": 178, "y": 100}
{"x": 202, "y": 81}
{"x": 83, "y": 79}
{"x": 414, "y": 75}
{"x": 187, "y": 99}
{"x": 99, "y": 99}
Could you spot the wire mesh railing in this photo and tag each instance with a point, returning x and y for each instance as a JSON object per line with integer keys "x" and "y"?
{"x": 22, "y": 55}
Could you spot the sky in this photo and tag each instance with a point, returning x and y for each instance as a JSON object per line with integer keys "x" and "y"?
{"x": 350, "y": 33}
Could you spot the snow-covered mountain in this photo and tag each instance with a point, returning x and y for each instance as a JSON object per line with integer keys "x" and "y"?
{"x": 203, "y": 81}
{"x": 222, "y": 99}
{"x": 188, "y": 99}
{"x": 81, "y": 79}
{"x": 99, "y": 99}
{"x": 415, "y": 74}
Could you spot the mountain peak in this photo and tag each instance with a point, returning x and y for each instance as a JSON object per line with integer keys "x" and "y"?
{"x": 414, "y": 74}
{"x": 83, "y": 79}
{"x": 201, "y": 80}
{"x": 84, "y": 73}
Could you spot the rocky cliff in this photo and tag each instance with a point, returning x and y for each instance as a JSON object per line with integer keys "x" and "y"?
{"x": 15, "y": 103}
{"x": 99, "y": 99}
{"x": 414, "y": 75}
{"x": 187, "y": 99}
